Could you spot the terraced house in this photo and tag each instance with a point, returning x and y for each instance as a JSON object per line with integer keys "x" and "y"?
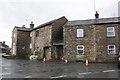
{"x": 96, "y": 39}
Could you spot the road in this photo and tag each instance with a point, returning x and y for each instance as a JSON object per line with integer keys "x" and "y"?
{"x": 17, "y": 68}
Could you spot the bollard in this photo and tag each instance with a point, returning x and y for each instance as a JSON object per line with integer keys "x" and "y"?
{"x": 87, "y": 62}
{"x": 44, "y": 61}
{"x": 66, "y": 61}
{"x": 61, "y": 58}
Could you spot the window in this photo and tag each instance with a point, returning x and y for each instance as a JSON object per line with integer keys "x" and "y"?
{"x": 14, "y": 35}
{"x": 110, "y": 31}
{"x": 31, "y": 34}
{"x": 37, "y": 33}
{"x": 111, "y": 49}
{"x": 30, "y": 45}
{"x": 80, "y": 49}
{"x": 80, "y": 33}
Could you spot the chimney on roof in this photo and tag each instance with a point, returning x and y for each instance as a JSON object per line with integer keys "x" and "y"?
{"x": 4, "y": 42}
{"x": 23, "y": 26}
{"x": 31, "y": 24}
{"x": 96, "y": 15}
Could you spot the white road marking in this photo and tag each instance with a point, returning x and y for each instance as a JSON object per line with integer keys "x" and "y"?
{"x": 28, "y": 76}
{"x": 85, "y": 73}
{"x": 60, "y": 76}
{"x": 110, "y": 70}
{"x": 5, "y": 74}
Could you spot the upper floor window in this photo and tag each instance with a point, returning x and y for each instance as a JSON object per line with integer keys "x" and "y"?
{"x": 31, "y": 34}
{"x": 111, "y": 49}
{"x": 80, "y": 49}
{"x": 80, "y": 33}
{"x": 110, "y": 31}
{"x": 37, "y": 33}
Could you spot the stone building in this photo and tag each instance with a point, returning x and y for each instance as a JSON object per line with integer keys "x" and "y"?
{"x": 20, "y": 41}
{"x": 47, "y": 39}
{"x": 4, "y": 48}
{"x": 96, "y": 39}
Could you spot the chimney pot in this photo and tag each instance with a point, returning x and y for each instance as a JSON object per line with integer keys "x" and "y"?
{"x": 96, "y": 14}
{"x": 31, "y": 25}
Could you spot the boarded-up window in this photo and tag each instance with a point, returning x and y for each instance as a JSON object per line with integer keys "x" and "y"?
{"x": 80, "y": 33}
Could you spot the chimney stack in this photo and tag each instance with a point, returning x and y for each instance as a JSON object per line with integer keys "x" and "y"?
{"x": 96, "y": 15}
{"x": 23, "y": 26}
{"x": 31, "y": 25}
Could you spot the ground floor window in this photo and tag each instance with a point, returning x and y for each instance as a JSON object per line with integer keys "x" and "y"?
{"x": 30, "y": 45}
{"x": 80, "y": 49}
{"x": 111, "y": 49}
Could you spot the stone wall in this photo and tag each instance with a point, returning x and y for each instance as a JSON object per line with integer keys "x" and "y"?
{"x": 23, "y": 43}
{"x": 43, "y": 40}
{"x": 95, "y": 41}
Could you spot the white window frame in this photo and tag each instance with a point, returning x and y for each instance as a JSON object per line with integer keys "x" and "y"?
{"x": 30, "y": 45}
{"x": 81, "y": 48}
{"x": 80, "y": 33}
{"x": 110, "y": 31}
{"x": 114, "y": 49}
{"x": 14, "y": 35}
{"x": 31, "y": 34}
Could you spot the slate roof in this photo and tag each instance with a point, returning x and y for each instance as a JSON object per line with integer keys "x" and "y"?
{"x": 23, "y": 28}
{"x": 93, "y": 21}
{"x": 48, "y": 23}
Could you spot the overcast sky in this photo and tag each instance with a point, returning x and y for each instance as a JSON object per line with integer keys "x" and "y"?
{"x": 22, "y": 12}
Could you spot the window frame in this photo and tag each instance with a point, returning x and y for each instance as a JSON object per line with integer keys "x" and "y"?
{"x": 80, "y": 33}
{"x": 112, "y": 31}
{"x": 37, "y": 33}
{"x": 114, "y": 49}
{"x": 80, "y": 49}
{"x": 30, "y": 45}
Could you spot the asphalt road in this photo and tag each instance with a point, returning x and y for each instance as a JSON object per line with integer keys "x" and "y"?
{"x": 16, "y": 68}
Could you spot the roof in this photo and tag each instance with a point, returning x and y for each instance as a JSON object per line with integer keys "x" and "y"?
{"x": 1, "y": 47}
{"x": 40, "y": 26}
{"x": 93, "y": 21}
{"x": 23, "y": 28}
{"x": 48, "y": 23}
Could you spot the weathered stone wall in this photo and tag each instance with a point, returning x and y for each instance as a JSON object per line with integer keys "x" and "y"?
{"x": 14, "y": 40}
{"x": 23, "y": 44}
{"x": 102, "y": 42}
{"x": 71, "y": 41}
{"x": 43, "y": 40}
{"x": 95, "y": 41}
{"x": 57, "y": 30}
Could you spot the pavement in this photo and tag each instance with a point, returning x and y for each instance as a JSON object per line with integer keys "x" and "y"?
{"x": 18, "y": 68}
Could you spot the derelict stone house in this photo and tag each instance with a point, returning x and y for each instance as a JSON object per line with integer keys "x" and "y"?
{"x": 47, "y": 39}
{"x": 95, "y": 39}
{"x": 20, "y": 41}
